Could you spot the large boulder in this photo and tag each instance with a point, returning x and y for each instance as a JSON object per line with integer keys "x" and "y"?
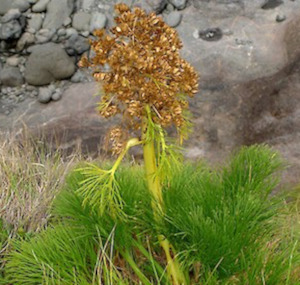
{"x": 46, "y": 63}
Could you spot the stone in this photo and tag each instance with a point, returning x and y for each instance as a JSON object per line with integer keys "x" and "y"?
{"x": 170, "y": 7}
{"x": 98, "y": 21}
{"x": 45, "y": 94}
{"x": 46, "y": 63}
{"x": 11, "y": 76}
{"x": 81, "y": 21}
{"x": 57, "y": 12}
{"x": 22, "y": 5}
{"x": 67, "y": 22}
{"x": 12, "y": 14}
{"x": 13, "y": 60}
{"x": 178, "y": 4}
{"x": 40, "y": 6}
{"x": 11, "y": 30}
{"x": 280, "y": 18}
{"x": 35, "y": 22}
{"x": 87, "y": 4}
{"x": 78, "y": 76}
{"x": 196, "y": 34}
{"x": 157, "y": 5}
{"x": 56, "y": 96}
{"x": 44, "y": 35}
{"x": 70, "y": 32}
{"x": 173, "y": 19}
{"x": 61, "y": 32}
{"x": 77, "y": 44}
{"x": 25, "y": 40}
{"x": 5, "y": 6}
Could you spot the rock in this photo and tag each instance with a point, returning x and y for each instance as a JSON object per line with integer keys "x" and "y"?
{"x": 271, "y": 4}
{"x": 46, "y": 63}
{"x": 196, "y": 34}
{"x": 45, "y": 94}
{"x": 12, "y": 14}
{"x": 11, "y": 30}
{"x": 11, "y": 76}
{"x": 87, "y": 4}
{"x": 170, "y": 7}
{"x": 40, "y": 6}
{"x": 78, "y": 76}
{"x": 76, "y": 44}
{"x": 26, "y": 40}
{"x": 81, "y": 21}
{"x": 213, "y": 34}
{"x": 173, "y": 19}
{"x": 178, "y": 4}
{"x": 35, "y": 22}
{"x": 70, "y": 32}
{"x": 98, "y": 21}
{"x": 280, "y": 18}
{"x": 56, "y": 96}
{"x": 61, "y": 32}
{"x": 67, "y": 22}
{"x": 13, "y": 60}
{"x": 5, "y": 5}
{"x": 22, "y": 5}
{"x": 44, "y": 35}
{"x": 57, "y": 12}
{"x": 157, "y": 5}
{"x": 85, "y": 33}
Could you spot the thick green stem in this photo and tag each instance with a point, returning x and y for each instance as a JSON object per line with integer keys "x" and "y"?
{"x": 174, "y": 271}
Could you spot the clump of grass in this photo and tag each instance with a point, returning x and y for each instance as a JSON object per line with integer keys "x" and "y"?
{"x": 222, "y": 224}
{"x": 30, "y": 175}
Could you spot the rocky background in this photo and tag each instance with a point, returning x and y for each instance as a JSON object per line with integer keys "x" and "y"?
{"x": 246, "y": 51}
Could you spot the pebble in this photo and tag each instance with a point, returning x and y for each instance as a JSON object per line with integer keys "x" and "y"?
{"x": 98, "y": 21}
{"x": 81, "y": 21}
{"x": 173, "y": 19}
{"x": 61, "y": 32}
{"x": 67, "y": 21}
{"x": 70, "y": 32}
{"x": 40, "y": 6}
{"x": 196, "y": 34}
{"x": 12, "y": 14}
{"x": 44, "y": 35}
{"x": 280, "y": 18}
{"x": 170, "y": 7}
{"x": 78, "y": 76}
{"x": 45, "y": 94}
{"x": 56, "y": 95}
{"x": 178, "y": 4}
{"x": 13, "y": 60}
{"x": 35, "y": 22}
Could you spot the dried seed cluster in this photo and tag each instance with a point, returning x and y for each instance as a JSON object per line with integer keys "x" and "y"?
{"x": 139, "y": 64}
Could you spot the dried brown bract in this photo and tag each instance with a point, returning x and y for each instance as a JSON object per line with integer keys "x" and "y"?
{"x": 144, "y": 69}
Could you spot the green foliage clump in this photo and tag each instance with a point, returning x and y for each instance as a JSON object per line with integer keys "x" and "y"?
{"x": 224, "y": 226}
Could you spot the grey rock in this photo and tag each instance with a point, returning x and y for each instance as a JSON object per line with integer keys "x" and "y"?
{"x": 67, "y": 21}
{"x": 61, "y": 32}
{"x": 173, "y": 19}
{"x": 85, "y": 33}
{"x": 11, "y": 30}
{"x": 35, "y": 22}
{"x": 22, "y": 5}
{"x": 157, "y": 5}
{"x": 196, "y": 34}
{"x": 78, "y": 76}
{"x": 87, "y": 4}
{"x": 178, "y": 4}
{"x": 98, "y": 21}
{"x": 44, "y": 35}
{"x": 26, "y": 40}
{"x": 40, "y": 6}
{"x": 70, "y": 32}
{"x": 280, "y": 18}
{"x": 46, "y": 63}
{"x": 76, "y": 44}
{"x": 170, "y": 7}
{"x": 45, "y": 94}
{"x": 57, "y": 12}
{"x": 32, "y": 2}
{"x": 81, "y": 21}
{"x": 56, "y": 96}
{"x": 13, "y": 60}
{"x": 12, "y": 14}
{"x": 5, "y": 5}
{"x": 11, "y": 76}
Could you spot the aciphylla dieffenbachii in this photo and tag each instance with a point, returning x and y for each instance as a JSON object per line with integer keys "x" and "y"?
{"x": 144, "y": 79}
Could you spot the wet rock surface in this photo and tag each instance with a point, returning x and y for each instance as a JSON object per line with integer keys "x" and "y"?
{"x": 247, "y": 54}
